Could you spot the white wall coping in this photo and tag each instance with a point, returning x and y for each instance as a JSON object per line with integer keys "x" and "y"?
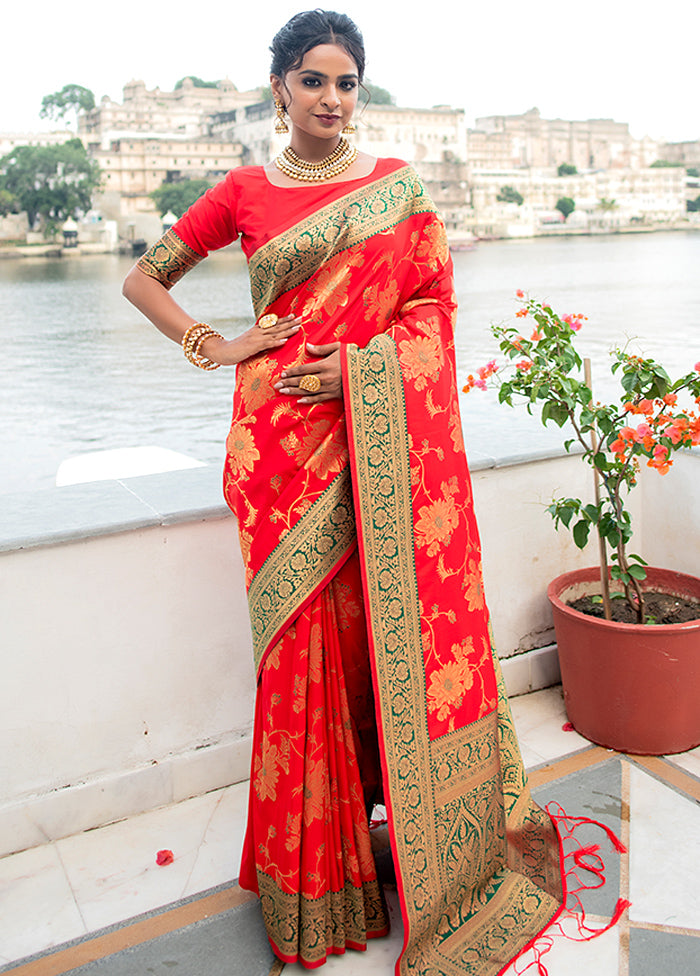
{"x": 51, "y": 516}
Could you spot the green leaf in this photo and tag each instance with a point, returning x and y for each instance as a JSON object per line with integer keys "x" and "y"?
{"x": 580, "y": 532}
{"x": 638, "y": 559}
{"x": 637, "y": 572}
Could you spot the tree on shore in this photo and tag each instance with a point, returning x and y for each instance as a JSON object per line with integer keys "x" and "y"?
{"x": 8, "y": 203}
{"x": 197, "y": 82}
{"x": 177, "y": 197}
{"x": 50, "y": 183}
{"x": 566, "y": 169}
{"x": 71, "y": 98}
{"x": 508, "y": 194}
{"x": 565, "y": 206}
{"x": 372, "y": 94}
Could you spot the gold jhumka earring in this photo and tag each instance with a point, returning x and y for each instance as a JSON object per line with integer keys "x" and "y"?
{"x": 281, "y": 124}
{"x": 349, "y": 129}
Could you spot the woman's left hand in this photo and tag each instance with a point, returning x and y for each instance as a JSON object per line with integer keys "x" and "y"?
{"x": 327, "y": 371}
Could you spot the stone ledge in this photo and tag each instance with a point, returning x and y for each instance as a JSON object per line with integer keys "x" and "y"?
{"x": 43, "y": 818}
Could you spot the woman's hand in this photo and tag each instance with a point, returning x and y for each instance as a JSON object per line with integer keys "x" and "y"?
{"x": 229, "y": 352}
{"x": 327, "y": 370}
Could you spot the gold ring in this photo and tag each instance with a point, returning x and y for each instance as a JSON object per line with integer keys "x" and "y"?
{"x": 267, "y": 321}
{"x": 311, "y": 383}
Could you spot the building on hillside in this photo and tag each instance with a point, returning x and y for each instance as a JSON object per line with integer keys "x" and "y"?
{"x": 605, "y": 200}
{"x": 686, "y": 153}
{"x": 133, "y": 166}
{"x": 9, "y": 141}
{"x": 183, "y": 112}
{"x": 251, "y": 126}
{"x": 529, "y": 141}
{"x": 154, "y": 137}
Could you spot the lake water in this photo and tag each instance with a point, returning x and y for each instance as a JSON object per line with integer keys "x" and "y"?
{"x": 81, "y": 370}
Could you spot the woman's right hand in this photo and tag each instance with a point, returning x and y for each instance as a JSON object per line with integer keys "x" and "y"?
{"x": 229, "y": 352}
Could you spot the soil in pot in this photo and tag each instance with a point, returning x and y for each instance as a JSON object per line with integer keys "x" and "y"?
{"x": 661, "y": 608}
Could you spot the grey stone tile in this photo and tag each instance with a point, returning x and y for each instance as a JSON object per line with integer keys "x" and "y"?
{"x": 653, "y": 952}
{"x": 593, "y": 793}
{"x": 232, "y": 943}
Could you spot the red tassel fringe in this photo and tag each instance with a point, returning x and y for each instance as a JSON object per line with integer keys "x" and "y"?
{"x": 580, "y": 859}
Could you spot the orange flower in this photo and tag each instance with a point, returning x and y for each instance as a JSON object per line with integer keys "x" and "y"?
{"x": 447, "y": 687}
{"x": 241, "y": 449}
{"x": 660, "y": 460}
{"x": 254, "y": 381}
{"x": 267, "y": 770}
{"x": 645, "y": 436}
{"x": 422, "y": 359}
{"x": 436, "y": 523}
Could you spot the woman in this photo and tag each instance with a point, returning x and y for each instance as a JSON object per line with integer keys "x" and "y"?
{"x": 346, "y": 470}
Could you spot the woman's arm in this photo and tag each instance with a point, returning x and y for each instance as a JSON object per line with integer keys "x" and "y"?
{"x": 155, "y": 302}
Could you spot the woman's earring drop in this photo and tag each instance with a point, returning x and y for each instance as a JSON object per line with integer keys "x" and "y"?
{"x": 349, "y": 129}
{"x": 281, "y": 124}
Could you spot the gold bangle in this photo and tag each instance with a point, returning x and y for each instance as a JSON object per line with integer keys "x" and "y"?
{"x": 192, "y": 341}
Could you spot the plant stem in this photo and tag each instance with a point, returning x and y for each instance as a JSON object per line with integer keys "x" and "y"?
{"x": 602, "y": 549}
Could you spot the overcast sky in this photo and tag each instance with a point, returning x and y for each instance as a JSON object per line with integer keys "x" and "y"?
{"x": 600, "y": 59}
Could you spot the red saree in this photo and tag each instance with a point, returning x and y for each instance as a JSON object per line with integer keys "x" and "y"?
{"x": 370, "y": 629}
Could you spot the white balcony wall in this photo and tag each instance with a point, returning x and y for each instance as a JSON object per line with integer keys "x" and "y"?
{"x": 128, "y": 680}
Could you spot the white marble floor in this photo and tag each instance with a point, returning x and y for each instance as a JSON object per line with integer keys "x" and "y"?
{"x": 61, "y": 891}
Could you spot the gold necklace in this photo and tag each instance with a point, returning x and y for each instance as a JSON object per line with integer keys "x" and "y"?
{"x": 297, "y": 168}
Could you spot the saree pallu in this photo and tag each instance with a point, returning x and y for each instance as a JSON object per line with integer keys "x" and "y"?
{"x": 370, "y": 629}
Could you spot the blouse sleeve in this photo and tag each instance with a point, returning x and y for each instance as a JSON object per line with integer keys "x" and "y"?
{"x": 210, "y": 223}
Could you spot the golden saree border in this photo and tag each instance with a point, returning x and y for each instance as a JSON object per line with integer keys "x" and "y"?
{"x": 169, "y": 259}
{"x": 465, "y": 910}
{"x": 295, "y": 255}
{"x": 311, "y": 929}
{"x": 301, "y": 564}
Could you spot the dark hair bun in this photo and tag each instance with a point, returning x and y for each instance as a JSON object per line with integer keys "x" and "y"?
{"x": 309, "y": 29}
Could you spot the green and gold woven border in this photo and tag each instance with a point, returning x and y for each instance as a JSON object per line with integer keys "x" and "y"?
{"x": 169, "y": 259}
{"x": 301, "y": 562}
{"x": 465, "y": 911}
{"x": 293, "y": 256}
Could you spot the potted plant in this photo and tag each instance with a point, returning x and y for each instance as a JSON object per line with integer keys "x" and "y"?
{"x": 631, "y": 679}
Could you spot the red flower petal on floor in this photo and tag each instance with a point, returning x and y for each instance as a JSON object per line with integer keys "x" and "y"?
{"x": 164, "y": 857}
{"x": 567, "y": 727}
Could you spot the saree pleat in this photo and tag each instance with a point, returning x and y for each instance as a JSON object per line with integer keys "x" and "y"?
{"x": 312, "y": 865}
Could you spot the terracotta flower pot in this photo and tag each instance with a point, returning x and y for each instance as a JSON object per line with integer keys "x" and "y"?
{"x": 630, "y": 687}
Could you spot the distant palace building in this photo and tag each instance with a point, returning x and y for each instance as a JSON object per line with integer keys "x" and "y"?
{"x": 154, "y": 137}
{"x": 685, "y": 153}
{"x": 529, "y": 141}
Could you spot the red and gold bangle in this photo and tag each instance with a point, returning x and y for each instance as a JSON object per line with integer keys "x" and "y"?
{"x": 192, "y": 341}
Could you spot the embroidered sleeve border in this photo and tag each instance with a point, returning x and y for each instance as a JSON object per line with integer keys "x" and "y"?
{"x": 169, "y": 259}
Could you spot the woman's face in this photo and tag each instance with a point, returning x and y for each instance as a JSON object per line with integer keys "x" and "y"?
{"x": 321, "y": 94}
